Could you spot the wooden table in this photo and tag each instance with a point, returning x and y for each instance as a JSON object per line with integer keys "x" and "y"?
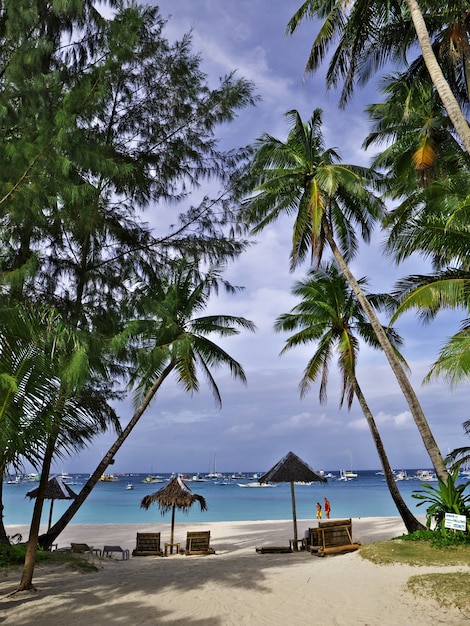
{"x": 171, "y": 546}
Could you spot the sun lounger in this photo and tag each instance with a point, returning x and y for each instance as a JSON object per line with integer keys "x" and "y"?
{"x": 147, "y": 544}
{"x": 84, "y": 548}
{"x": 108, "y": 551}
{"x": 274, "y": 550}
{"x": 198, "y": 543}
{"x": 331, "y": 537}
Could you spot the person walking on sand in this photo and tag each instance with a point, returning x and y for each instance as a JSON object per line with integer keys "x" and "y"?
{"x": 327, "y": 508}
{"x": 318, "y": 507}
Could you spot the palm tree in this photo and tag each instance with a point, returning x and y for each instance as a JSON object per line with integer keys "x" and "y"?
{"x": 413, "y": 132}
{"x": 329, "y": 315}
{"x": 164, "y": 338}
{"x": 369, "y": 34}
{"x": 24, "y": 383}
{"x": 68, "y": 411}
{"x": 300, "y": 176}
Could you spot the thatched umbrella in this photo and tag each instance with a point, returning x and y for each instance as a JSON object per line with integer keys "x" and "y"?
{"x": 291, "y": 469}
{"x": 176, "y": 495}
{"x": 55, "y": 490}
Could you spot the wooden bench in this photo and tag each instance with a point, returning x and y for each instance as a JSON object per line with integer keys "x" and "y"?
{"x": 108, "y": 551}
{"x": 147, "y": 544}
{"x": 197, "y": 542}
{"x": 331, "y": 537}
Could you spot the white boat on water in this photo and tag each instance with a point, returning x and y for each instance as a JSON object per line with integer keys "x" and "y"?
{"x": 426, "y": 476}
{"x": 130, "y": 486}
{"x": 326, "y": 475}
{"x": 347, "y": 475}
{"x": 257, "y": 484}
{"x": 402, "y": 475}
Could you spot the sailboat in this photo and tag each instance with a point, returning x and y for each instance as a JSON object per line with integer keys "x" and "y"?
{"x": 214, "y": 473}
{"x": 347, "y": 475}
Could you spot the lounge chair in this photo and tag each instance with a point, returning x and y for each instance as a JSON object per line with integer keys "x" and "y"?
{"x": 147, "y": 544}
{"x": 84, "y": 548}
{"x": 332, "y": 537}
{"x": 198, "y": 543}
{"x": 108, "y": 551}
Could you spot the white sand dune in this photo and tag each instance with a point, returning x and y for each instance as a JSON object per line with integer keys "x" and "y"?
{"x": 236, "y": 586}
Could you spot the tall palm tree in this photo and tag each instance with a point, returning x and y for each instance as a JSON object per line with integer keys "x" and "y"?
{"x": 329, "y": 315}
{"x": 370, "y": 34}
{"x": 299, "y": 176}
{"x": 167, "y": 337}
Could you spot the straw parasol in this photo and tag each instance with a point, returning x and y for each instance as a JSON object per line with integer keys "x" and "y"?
{"x": 176, "y": 495}
{"x": 56, "y": 489}
{"x": 291, "y": 469}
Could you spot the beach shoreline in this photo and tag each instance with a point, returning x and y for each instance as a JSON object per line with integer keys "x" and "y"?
{"x": 234, "y": 586}
{"x": 245, "y": 534}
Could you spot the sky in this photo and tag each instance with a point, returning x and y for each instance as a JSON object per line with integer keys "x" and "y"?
{"x": 262, "y": 421}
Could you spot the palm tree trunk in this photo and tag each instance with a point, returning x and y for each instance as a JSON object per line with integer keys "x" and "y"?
{"x": 26, "y": 582}
{"x": 4, "y": 540}
{"x": 410, "y": 521}
{"x": 445, "y": 92}
{"x": 402, "y": 379}
{"x": 46, "y": 540}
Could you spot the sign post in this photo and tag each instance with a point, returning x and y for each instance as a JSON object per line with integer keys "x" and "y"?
{"x": 456, "y": 522}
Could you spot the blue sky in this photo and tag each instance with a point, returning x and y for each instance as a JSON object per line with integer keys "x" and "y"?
{"x": 262, "y": 421}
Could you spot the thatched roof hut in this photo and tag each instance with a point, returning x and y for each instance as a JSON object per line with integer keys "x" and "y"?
{"x": 175, "y": 495}
{"x": 56, "y": 489}
{"x": 291, "y": 469}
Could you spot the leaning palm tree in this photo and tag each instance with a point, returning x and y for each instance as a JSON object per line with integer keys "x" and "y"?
{"x": 299, "y": 176}
{"x": 329, "y": 315}
{"x": 167, "y": 337}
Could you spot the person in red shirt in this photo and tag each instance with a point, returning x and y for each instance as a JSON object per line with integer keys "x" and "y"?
{"x": 327, "y": 508}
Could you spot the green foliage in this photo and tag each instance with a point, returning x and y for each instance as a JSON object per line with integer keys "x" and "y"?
{"x": 447, "y": 497}
{"x": 12, "y": 555}
{"x": 438, "y": 538}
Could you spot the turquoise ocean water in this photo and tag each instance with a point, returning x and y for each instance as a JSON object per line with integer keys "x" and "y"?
{"x": 112, "y": 503}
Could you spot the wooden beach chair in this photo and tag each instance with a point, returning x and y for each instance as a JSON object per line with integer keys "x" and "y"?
{"x": 84, "y": 548}
{"x": 332, "y": 537}
{"x": 198, "y": 542}
{"x": 108, "y": 551}
{"x": 147, "y": 544}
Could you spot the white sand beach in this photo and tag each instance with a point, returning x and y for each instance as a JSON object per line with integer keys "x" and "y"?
{"x": 236, "y": 586}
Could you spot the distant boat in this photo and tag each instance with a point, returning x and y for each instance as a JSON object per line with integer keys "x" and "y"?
{"x": 402, "y": 475}
{"x": 14, "y": 481}
{"x": 426, "y": 476}
{"x": 152, "y": 479}
{"x": 130, "y": 486}
{"x": 108, "y": 478}
{"x": 257, "y": 484}
{"x": 197, "y": 478}
{"x": 345, "y": 475}
{"x": 302, "y": 483}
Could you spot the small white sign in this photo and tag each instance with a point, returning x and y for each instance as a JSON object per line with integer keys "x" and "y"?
{"x": 456, "y": 522}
